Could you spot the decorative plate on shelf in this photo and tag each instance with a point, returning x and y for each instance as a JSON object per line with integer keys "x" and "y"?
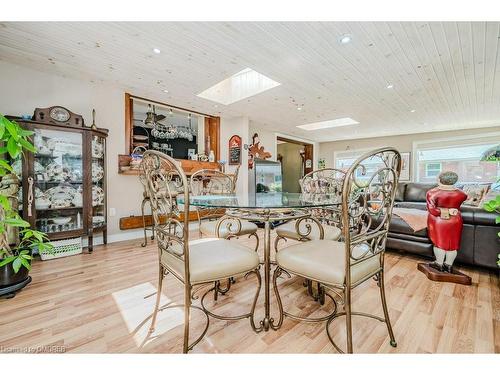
{"x": 97, "y": 149}
{"x": 97, "y": 172}
{"x": 140, "y": 137}
{"x": 56, "y": 172}
{"x": 97, "y": 196}
{"x": 61, "y": 220}
{"x": 61, "y": 192}
{"x": 97, "y": 220}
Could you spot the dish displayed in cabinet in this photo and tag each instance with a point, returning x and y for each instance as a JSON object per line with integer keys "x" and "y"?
{"x": 98, "y": 220}
{"x": 97, "y": 148}
{"x": 97, "y": 196}
{"x": 97, "y": 172}
{"x": 61, "y": 196}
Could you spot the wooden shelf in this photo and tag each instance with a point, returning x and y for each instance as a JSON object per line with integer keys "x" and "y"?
{"x": 189, "y": 166}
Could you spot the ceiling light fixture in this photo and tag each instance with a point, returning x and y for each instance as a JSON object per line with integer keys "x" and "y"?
{"x": 345, "y": 121}
{"x": 299, "y": 108}
{"x": 390, "y": 86}
{"x": 413, "y": 110}
{"x": 165, "y": 91}
{"x": 156, "y": 50}
{"x": 344, "y": 39}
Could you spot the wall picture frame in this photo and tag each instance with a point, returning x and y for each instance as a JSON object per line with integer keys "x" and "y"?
{"x": 405, "y": 175}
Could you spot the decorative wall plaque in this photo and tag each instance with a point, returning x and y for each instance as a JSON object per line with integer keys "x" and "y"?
{"x": 235, "y": 150}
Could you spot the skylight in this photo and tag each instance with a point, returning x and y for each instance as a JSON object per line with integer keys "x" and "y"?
{"x": 329, "y": 124}
{"x": 239, "y": 86}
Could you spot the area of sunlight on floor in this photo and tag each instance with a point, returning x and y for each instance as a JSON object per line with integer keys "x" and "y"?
{"x": 136, "y": 306}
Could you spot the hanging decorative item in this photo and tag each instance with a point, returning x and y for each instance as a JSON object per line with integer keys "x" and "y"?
{"x": 168, "y": 131}
{"x": 235, "y": 150}
{"x": 256, "y": 151}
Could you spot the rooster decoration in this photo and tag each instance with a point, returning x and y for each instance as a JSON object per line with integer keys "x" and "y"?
{"x": 256, "y": 151}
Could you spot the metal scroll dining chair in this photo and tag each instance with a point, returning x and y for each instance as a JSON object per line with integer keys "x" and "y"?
{"x": 368, "y": 195}
{"x": 146, "y": 201}
{"x": 215, "y": 182}
{"x": 199, "y": 262}
{"x": 321, "y": 181}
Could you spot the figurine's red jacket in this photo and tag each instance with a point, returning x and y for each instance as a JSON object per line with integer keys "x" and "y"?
{"x": 445, "y": 233}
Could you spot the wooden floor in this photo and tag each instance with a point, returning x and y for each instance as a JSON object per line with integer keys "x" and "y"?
{"x": 101, "y": 303}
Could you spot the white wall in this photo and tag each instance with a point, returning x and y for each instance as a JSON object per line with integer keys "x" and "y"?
{"x": 228, "y": 128}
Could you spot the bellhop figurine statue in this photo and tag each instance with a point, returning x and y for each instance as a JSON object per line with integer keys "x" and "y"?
{"x": 444, "y": 225}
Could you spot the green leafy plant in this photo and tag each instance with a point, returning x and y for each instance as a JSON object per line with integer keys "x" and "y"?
{"x": 14, "y": 140}
{"x": 494, "y": 206}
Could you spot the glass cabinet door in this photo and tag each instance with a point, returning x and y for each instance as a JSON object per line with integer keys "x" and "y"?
{"x": 98, "y": 182}
{"x": 58, "y": 181}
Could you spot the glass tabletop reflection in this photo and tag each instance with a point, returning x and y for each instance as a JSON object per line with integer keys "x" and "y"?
{"x": 264, "y": 200}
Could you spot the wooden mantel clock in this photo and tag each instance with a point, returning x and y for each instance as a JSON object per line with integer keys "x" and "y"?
{"x": 58, "y": 115}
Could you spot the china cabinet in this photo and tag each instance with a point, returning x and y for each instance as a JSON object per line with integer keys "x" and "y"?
{"x": 63, "y": 189}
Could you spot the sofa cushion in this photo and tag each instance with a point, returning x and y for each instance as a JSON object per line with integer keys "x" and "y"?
{"x": 417, "y": 205}
{"x": 416, "y": 192}
{"x": 466, "y": 211}
{"x": 400, "y": 192}
{"x": 482, "y": 217}
{"x": 410, "y": 237}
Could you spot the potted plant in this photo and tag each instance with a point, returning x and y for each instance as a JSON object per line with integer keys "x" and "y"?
{"x": 494, "y": 206}
{"x": 15, "y": 261}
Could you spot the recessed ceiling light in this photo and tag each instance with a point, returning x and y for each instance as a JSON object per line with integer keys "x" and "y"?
{"x": 239, "y": 86}
{"x": 156, "y": 50}
{"x": 299, "y": 108}
{"x": 390, "y": 86}
{"x": 344, "y": 39}
{"x": 345, "y": 121}
{"x": 165, "y": 91}
{"x": 215, "y": 105}
{"x": 412, "y": 110}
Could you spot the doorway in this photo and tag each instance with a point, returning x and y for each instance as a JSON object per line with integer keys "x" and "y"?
{"x": 296, "y": 159}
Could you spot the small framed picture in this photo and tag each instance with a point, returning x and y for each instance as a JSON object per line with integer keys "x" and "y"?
{"x": 405, "y": 175}
{"x": 191, "y": 152}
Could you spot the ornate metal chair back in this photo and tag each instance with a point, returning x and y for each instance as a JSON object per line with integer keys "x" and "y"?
{"x": 210, "y": 182}
{"x": 324, "y": 181}
{"x": 164, "y": 180}
{"x": 368, "y": 196}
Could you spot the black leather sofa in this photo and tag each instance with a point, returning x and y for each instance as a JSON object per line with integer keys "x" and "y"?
{"x": 480, "y": 244}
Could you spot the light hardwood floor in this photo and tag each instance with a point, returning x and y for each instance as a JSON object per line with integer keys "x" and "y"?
{"x": 101, "y": 303}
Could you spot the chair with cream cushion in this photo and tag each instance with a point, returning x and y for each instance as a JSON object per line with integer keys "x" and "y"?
{"x": 321, "y": 181}
{"x": 214, "y": 182}
{"x": 340, "y": 266}
{"x": 200, "y": 262}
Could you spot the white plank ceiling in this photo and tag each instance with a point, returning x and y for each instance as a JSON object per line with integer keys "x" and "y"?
{"x": 448, "y": 73}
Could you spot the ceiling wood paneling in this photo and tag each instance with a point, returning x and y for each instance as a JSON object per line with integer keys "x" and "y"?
{"x": 446, "y": 71}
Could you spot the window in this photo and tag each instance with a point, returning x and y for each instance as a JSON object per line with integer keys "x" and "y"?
{"x": 344, "y": 160}
{"x": 460, "y": 156}
{"x": 432, "y": 169}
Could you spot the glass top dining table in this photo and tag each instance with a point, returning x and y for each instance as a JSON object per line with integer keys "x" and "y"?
{"x": 272, "y": 201}
{"x": 265, "y": 208}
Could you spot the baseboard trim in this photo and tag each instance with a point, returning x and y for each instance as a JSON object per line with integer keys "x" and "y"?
{"x": 125, "y": 235}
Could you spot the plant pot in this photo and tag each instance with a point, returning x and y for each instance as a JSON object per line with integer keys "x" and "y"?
{"x": 8, "y": 277}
